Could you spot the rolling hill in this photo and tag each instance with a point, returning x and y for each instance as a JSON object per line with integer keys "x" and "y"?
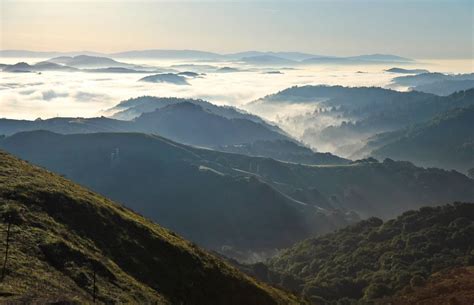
{"x": 87, "y": 61}
{"x": 446, "y": 141}
{"x": 69, "y": 245}
{"x": 246, "y": 207}
{"x": 38, "y": 67}
{"x": 134, "y": 107}
{"x": 372, "y": 260}
{"x": 344, "y": 117}
{"x": 189, "y": 121}
{"x": 216, "y": 206}
{"x": 283, "y": 150}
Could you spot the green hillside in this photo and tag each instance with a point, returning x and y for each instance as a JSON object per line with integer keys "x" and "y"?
{"x": 61, "y": 234}
{"x": 373, "y": 259}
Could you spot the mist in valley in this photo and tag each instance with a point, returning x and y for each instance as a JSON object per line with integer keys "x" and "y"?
{"x": 88, "y": 94}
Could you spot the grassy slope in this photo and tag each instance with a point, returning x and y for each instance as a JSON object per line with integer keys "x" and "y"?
{"x": 61, "y": 232}
{"x": 454, "y": 287}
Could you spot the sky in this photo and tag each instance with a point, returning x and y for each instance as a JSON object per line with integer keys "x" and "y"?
{"x": 411, "y": 28}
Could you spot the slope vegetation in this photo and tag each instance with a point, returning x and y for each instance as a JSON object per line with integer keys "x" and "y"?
{"x": 446, "y": 141}
{"x": 373, "y": 259}
{"x": 63, "y": 234}
{"x": 176, "y": 186}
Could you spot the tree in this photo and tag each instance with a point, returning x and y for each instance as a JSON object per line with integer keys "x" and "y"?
{"x": 7, "y": 245}
{"x": 470, "y": 173}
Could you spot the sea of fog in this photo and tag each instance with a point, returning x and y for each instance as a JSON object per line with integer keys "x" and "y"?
{"x": 85, "y": 94}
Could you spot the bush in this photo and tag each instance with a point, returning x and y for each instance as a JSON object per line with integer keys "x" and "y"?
{"x": 417, "y": 281}
{"x": 375, "y": 291}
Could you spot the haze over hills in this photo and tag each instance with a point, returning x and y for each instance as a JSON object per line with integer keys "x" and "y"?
{"x": 211, "y": 56}
{"x": 134, "y": 107}
{"x": 344, "y": 118}
{"x": 189, "y": 123}
{"x": 446, "y": 141}
{"x": 407, "y": 71}
{"x": 245, "y": 207}
{"x": 165, "y": 78}
{"x": 85, "y": 61}
{"x": 38, "y": 67}
{"x": 361, "y": 59}
{"x": 236, "y": 152}
{"x": 436, "y": 83}
{"x": 203, "y": 125}
{"x": 446, "y": 87}
{"x": 427, "y": 78}
{"x": 71, "y": 246}
{"x": 367, "y": 187}
{"x": 267, "y": 60}
{"x": 283, "y": 150}
{"x": 180, "y": 187}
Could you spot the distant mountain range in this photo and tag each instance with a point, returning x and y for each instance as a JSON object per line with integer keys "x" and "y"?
{"x": 83, "y": 63}
{"x": 39, "y": 67}
{"x": 133, "y": 108}
{"x": 361, "y": 59}
{"x": 267, "y": 60}
{"x": 436, "y": 83}
{"x": 190, "y": 121}
{"x": 72, "y": 246}
{"x": 255, "y": 57}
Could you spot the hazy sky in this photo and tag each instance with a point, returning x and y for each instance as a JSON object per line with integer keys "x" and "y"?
{"x": 413, "y": 28}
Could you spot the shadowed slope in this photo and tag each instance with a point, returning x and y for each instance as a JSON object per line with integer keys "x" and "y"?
{"x": 61, "y": 232}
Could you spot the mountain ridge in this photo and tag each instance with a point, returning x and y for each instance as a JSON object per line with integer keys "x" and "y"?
{"x": 63, "y": 232}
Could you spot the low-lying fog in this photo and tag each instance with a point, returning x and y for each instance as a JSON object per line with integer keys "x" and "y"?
{"x": 86, "y": 94}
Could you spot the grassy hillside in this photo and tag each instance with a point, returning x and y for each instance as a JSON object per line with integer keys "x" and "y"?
{"x": 373, "y": 259}
{"x": 452, "y": 286}
{"x": 61, "y": 233}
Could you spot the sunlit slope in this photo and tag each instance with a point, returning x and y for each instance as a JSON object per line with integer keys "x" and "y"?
{"x": 61, "y": 233}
